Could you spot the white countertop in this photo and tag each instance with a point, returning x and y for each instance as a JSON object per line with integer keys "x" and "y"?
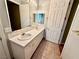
{"x": 34, "y": 33}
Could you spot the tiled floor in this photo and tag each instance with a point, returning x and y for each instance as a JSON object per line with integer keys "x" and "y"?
{"x": 47, "y": 50}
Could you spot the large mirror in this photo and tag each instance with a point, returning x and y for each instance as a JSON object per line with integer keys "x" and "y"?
{"x": 23, "y": 13}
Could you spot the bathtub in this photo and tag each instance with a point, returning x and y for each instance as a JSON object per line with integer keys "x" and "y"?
{"x": 23, "y": 48}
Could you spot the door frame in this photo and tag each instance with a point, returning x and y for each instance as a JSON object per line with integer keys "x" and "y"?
{"x": 66, "y": 20}
{"x": 4, "y": 41}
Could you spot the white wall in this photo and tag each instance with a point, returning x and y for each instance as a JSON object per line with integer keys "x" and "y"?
{"x": 43, "y": 7}
{"x": 71, "y": 48}
{"x": 4, "y": 15}
{"x": 24, "y": 15}
{"x": 32, "y": 8}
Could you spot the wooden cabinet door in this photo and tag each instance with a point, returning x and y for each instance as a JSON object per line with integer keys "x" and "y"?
{"x": 57, "y": 13}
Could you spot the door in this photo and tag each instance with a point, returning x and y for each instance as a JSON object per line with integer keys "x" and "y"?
{"x": 71, "y": 48}
{"x": 2, "y": 53}
{"x": 57, "y": 13}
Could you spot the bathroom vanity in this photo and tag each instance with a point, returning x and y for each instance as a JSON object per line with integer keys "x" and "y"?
{"x": 25, "y": 44}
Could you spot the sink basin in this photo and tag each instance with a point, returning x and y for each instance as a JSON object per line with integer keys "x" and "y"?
{"x": 24, "y": 36}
